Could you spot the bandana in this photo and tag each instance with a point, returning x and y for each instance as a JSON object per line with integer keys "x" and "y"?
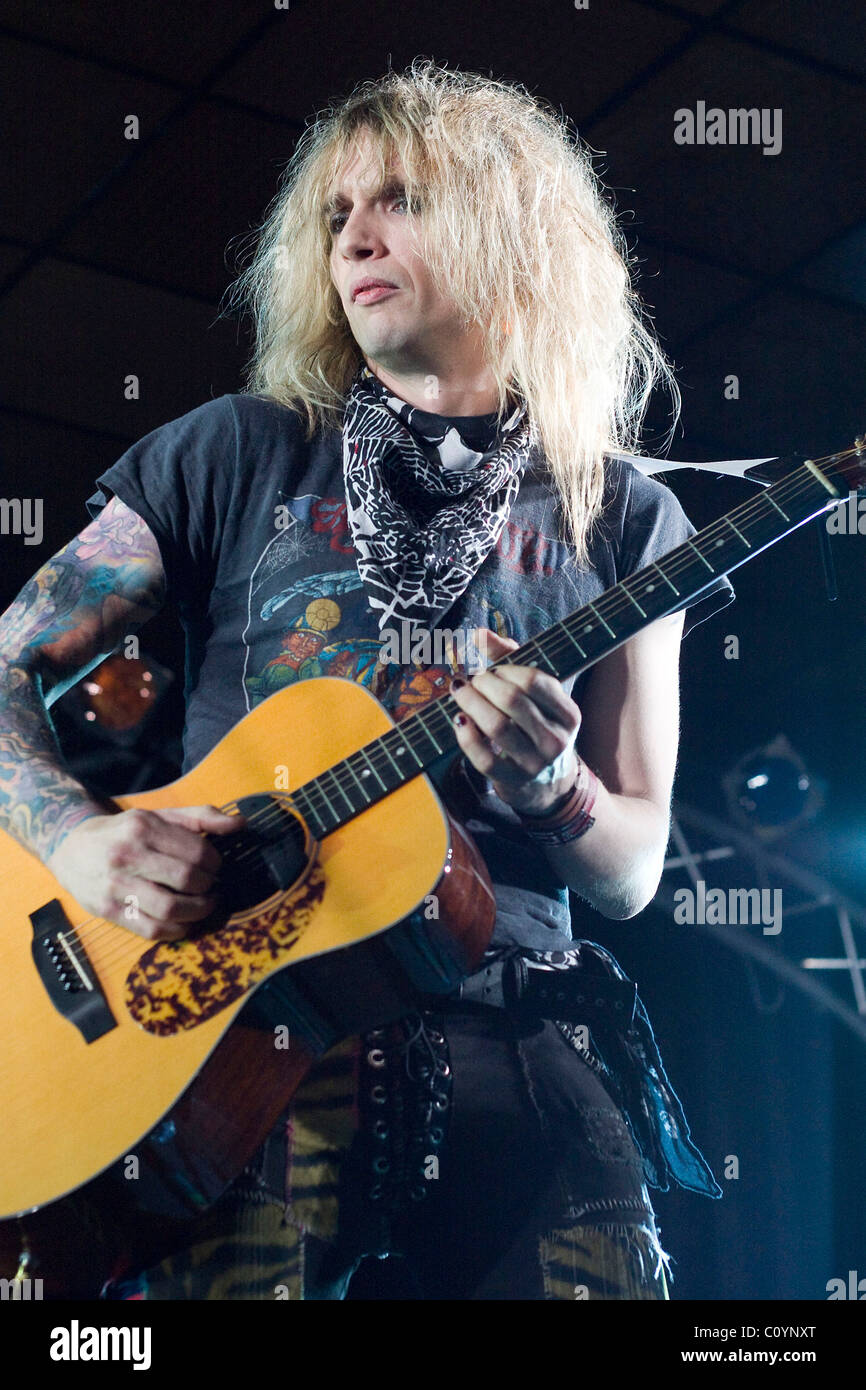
{"x": 425, "y": 508}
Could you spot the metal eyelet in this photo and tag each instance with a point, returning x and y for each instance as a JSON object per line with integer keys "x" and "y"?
{"x": 417, "y": 1193}
{"x": 437, "y": 1134}
{"x": 378, "y": 1095}
{"x": 376, "y": 1057}
{"x": 381, "y": 1164}
{"x": 380, "y": 1129}
{"x": 443, "y": 1068}
{"x": 375, "y": 1192}
{"x": 440, "y": 1101}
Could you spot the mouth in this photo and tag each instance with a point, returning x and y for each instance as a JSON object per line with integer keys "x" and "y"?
{"x": 370, "y": 293}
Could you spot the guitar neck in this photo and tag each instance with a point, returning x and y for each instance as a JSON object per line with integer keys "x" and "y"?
{"x": 578, "y": 641}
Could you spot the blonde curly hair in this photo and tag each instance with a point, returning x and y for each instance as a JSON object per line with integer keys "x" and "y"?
{"x": 513, "y": 227}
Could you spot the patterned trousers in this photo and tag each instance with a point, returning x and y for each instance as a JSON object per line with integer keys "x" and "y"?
{"x": 488, "y": 1159}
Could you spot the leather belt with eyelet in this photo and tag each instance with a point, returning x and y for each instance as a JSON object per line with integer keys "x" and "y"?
{"x": 575, "y": 996}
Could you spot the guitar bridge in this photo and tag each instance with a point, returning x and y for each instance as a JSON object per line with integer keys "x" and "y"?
{"x": 64, "y": 969}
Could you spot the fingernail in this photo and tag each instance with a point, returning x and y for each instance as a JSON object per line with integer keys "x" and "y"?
{"x": 457, "y": 682}
{"x": 460, "y": 719}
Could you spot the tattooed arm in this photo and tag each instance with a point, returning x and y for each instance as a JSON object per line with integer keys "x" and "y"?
{"x": 73, "y": 612}
{"x": 76, "y": 609}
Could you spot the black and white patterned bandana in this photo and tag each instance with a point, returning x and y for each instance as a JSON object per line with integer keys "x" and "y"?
{"x": 425, "y": 508}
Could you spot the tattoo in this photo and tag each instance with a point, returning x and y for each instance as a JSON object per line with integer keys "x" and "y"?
{"x": 105, "y": 584}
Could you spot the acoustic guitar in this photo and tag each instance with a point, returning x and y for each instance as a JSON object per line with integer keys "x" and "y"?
{"x": 139, "y": 1077}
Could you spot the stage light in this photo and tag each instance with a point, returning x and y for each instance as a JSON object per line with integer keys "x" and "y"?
{"x": 771, "y": 792}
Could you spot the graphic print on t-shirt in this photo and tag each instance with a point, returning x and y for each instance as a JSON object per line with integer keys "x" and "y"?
{"x": 299, "y": 621}
{"x": 308, "y": 615}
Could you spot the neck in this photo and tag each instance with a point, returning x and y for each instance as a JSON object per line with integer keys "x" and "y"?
{"x": 452, "y": 390}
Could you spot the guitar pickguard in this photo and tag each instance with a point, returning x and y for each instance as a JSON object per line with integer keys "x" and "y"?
{"x": 176, "y": 985}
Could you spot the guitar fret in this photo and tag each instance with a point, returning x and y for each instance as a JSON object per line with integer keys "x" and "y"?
{"x": 738, "y": 532}
{"x": 305, "y": 804}
{"x": 317, "y": 810}
{"x": 383, "y": 745}
{"x": 420, "y": 717}
{"x": 404, "y": 743}
{"x": 573, "y": 640}
{"x": 542, "y": 656}
{"x": 627, "y": 591}
{"x": 326, "y": 799}
{"x": 600, "y": 618}
{"x": 660, "y": 571}
{"x": 776, "y": 505}
{"x": 362, "y": 789}
{"x": 692, "y": 545}
{"x": 362, "y": 754}
{"x": 332, "y": 773}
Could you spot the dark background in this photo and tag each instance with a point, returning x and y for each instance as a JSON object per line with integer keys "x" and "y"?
{"x": 114, "y": 256}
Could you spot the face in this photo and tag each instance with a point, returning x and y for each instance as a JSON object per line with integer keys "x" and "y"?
{"x": 408, "y": 327}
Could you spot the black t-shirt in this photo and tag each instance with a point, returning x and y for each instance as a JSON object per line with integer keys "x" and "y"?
{"x": 250, "y": 518}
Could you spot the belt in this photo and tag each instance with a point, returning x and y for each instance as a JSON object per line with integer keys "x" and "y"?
{"x": 531, "y": 991}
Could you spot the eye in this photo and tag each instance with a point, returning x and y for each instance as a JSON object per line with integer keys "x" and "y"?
{"x": 336, "y": 217}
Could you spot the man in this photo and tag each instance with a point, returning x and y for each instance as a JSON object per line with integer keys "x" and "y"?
{"x": 440, "y": 288}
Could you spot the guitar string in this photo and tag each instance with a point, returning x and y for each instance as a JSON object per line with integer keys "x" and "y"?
{"x": 400, "y": 738}
{"x": 789, "y": 489}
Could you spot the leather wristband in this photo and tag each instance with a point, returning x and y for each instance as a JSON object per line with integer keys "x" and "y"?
{"x": 569, "y": 817}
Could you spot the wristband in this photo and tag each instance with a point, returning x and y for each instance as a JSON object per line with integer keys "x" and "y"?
{"x": 569, "y": 817}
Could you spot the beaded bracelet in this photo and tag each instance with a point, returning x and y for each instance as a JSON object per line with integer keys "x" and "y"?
{"x": 568, "y": 818}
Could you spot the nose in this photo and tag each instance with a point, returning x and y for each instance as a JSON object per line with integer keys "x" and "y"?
{"x": 360, "y": 236}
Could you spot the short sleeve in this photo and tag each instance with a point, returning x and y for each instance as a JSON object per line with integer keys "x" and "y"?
{"x": 653, "y": 523}
{"x": 177, "y": 479}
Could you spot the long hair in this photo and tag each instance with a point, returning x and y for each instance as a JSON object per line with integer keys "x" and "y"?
{"x": 513, "y": 228}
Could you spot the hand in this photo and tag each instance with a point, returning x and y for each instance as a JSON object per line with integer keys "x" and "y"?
{"x": 518, "y": 723}
{"x": 149, "y": 871}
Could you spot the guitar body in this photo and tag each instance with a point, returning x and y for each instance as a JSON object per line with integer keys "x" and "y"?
{"x": 140, "y": 1106}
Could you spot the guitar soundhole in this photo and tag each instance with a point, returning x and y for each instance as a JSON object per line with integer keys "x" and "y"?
{"x": 270, "y": 855}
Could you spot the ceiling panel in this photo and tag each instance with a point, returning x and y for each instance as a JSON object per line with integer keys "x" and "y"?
{"x": 841, "y": 269}
{"x": 781, "y": 350}
{"x": 204, "y": 185}
{"x": 569, "y": 56}
{"x": 65, "y": 125}
{"x": 103, "y": 328}
{"x": 181, "y": 42}
{"x": 683, "y": 292}
{"x": 831, "y": 30}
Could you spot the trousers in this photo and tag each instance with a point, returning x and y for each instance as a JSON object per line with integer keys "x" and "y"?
{"x": 482, "y": 1155}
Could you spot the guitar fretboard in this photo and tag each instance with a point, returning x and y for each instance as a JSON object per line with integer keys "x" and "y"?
{"x": 576, "y": 642}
